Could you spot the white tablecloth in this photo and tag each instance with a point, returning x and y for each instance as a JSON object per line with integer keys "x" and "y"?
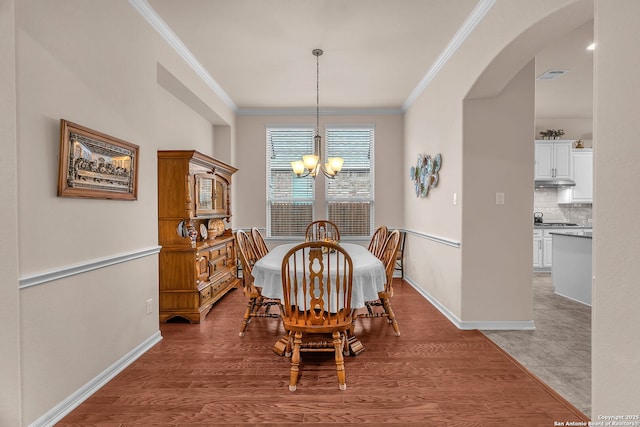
{"x": 368, "y": 273}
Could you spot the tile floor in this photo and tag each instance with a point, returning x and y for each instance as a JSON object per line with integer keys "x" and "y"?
{"x": 558, "y": 351}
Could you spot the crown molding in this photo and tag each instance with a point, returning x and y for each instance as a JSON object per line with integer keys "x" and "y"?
{"x": 474, "y": 18}
{"x": 323, "y": 111}
{"x": 163, "y": 29}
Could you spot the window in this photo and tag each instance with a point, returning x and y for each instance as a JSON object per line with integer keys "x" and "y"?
{"x": 349, "y": 197}
{"x": 289, "y": 198}
{"x": 350, "y": 194}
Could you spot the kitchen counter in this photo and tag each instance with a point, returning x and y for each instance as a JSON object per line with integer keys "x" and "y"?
{"x": 585, "y": 236}
{"x": 548, "y": 226}
{"x": 571, "y": 266}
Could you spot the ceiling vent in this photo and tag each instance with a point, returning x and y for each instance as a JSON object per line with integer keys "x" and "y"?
{"x": 551, "y": 74}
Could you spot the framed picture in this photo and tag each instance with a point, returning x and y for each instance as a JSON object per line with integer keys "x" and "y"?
{"x": 96, "y": 165}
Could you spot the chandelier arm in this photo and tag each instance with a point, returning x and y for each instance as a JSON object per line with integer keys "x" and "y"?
{"x": 327, "y": 174}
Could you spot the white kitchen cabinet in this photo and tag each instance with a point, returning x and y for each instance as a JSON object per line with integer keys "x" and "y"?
{"x": 537, "y": 248}
{"x": 582, "y": 174}
{"x": 552, "y": 159}
{"x": 542, "y": 249}
{"x": 547, "y": 252}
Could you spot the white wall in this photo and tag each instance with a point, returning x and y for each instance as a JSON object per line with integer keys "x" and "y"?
{"x": 97, "y": 75}
{"x": 434, "y": 125}
{"x": 10, "y": 392}
{"x": 104, "y": 74}
{"x": 179, "y": 128}
{"x": 250, "y": 181}
{"x": 616, "y": 239}
{"x": 498, "y": 158}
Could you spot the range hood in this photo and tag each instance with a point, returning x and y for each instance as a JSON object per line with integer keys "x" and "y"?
{"x": 554, "y": 183}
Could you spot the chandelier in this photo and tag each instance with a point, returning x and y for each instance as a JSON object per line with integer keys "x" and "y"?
{"x": 311, "y": 164}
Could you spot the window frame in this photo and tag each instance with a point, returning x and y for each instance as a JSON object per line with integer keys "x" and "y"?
{"x": 371, "y": 199}
{"x": 320, "y": 200}
{"x": 268, "y": 175}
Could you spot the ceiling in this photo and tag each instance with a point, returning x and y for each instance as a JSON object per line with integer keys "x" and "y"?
{"x": 570, "y": 95}
{"x": 376, "y": 52}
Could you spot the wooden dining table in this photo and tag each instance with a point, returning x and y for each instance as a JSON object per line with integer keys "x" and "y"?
{"x": 369, "y": 277}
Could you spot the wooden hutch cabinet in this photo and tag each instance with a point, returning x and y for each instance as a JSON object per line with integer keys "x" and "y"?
{"x": 198, "y": 258}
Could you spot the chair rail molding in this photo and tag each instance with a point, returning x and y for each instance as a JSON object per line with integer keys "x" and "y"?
{"x": 438, "y": 239}
{"x": 72, "y": 270}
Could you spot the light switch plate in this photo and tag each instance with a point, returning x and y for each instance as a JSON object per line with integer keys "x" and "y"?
{"x": 499, "y": 198}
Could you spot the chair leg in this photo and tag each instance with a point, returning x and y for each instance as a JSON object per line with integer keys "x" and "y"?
{"x": 295, "y": 361}
{"x": 280, "y": 347}
{"x": 337, "y": 344}
{"x": 348, "y": 335}
{"x": 287, "y": 349}
{"x": 369, "y": 309}
{"x": 251, "y": 307}
{"x": 391, "y": 316}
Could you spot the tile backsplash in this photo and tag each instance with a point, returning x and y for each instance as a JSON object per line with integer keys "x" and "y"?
{"x": 545, "y": 200}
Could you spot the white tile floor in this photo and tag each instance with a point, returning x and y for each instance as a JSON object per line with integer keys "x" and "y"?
{"x": 558, "y": 351}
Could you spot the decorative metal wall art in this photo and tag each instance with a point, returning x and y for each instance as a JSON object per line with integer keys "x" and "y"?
{"x": 426, "y": 173}
{"x": 96, "y": 165}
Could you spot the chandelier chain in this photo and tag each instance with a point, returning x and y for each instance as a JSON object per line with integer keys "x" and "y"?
{"x": 317, "y": 53}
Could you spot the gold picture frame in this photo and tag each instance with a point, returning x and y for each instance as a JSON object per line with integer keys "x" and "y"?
{"x": 95, "y": 165}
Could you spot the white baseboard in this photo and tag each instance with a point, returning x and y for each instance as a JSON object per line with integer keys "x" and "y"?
{"x": 511, "y": 325}
{"x": 63, "y": 408}
{"x": 573, "y": 299}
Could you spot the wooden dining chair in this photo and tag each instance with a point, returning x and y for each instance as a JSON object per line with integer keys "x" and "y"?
{"x": 400, "y": 255}
{"x": 258, "y": 242}
{"x": 379, "y": 238}
{"x": 316, "y": 303}
{"x": 321, "y": 230}
{"x": 248, "y": 257}
{"x": 384, "y": 297}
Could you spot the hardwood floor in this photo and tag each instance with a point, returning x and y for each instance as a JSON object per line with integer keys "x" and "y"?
{"x": 432, "y": 375}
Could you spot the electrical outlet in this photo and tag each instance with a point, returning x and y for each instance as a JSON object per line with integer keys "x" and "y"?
{"x": 149, "y": 306}
{"x": 499, "y": 198}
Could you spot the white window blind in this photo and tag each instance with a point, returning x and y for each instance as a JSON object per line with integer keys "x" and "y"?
{"x": 350, "y": 194}
{"x": 289, "y": 198}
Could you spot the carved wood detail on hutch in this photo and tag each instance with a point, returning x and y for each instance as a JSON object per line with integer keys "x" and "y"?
{"x": 198, "y": 258}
